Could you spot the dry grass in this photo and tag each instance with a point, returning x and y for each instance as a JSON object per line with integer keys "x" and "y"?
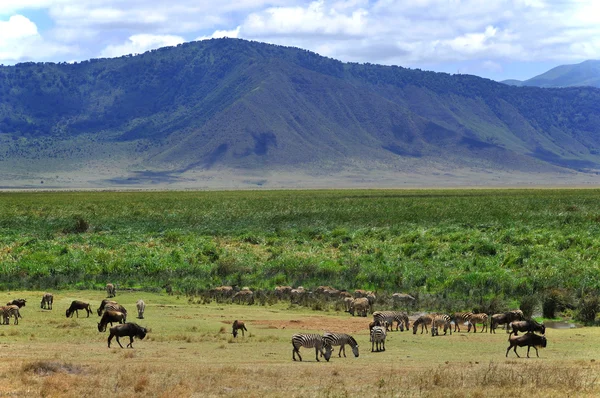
{"x": 187, "y": 355}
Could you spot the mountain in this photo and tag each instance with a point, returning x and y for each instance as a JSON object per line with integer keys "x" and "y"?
{"x": 260, "y": 114}
{"x": 586, "y": 73}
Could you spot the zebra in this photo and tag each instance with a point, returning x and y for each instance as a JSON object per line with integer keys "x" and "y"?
{"x": 114, "y": 306}
{"x": 8, "y": 311}
{"x": 310, "y": 341}
{"x": 47, "y": 300}
{"x": 111, "y": 290}
{"x": 439, "y": 320}
{"x": 141, "y": 307}
{"x": 478, "y": 318}
{"x": 460, "y": 318}
{"x": 378, "y": 335}
{"x": 423, "y": 320}
{"x": 400, "y": 318}
{"x": 341, "y": 339}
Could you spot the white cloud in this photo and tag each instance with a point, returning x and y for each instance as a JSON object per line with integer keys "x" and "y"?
{"x": 218, "y": 34}
{"x": 137, "y": 44}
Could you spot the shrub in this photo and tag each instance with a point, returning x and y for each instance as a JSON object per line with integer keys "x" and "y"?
{"x": 588, "y": 308}
{"x": 529, "y": 304}
{"x": 556, "y": 300}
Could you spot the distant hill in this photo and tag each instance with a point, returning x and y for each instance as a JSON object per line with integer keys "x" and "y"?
{"x": 586, "y": 73}
{"x": 229, "y": 107}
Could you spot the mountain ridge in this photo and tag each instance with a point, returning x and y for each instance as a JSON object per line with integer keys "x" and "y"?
{"x": 252, "y": 107}
{"x": 586, "y": 73}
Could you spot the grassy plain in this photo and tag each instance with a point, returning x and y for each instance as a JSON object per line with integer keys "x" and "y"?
{"x": 189, "y": 351}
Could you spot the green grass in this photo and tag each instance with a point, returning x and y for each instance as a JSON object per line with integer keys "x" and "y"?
{"x": 469, "y": 245}
{"x": 189, "y": 351}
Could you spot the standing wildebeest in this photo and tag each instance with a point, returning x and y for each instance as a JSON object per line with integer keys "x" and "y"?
{"x": 111, "y": 290}
{"x": 110, "y": 317}
{"x": 141, "y": 307}
{"x": 18, "y": 302}
{"x": 238, "y": 325}
{"x": 47, "y": 300}
{"x": 527, "y": 326}
{"x": 528, "y": 339}
{"x": 127, "y": 329}
{"x": 77, "y": 305}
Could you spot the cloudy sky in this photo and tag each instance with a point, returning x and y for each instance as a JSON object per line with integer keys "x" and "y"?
{"x": 498, "y": 39}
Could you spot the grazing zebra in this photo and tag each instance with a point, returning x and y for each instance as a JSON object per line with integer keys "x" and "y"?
{"x": 111, "y": 290}
{"x": 341, "y": 339}
{"x": 310, "y": 341}
{"x": 514, "y": 315}
{"x": 478, "y": 318}
{"x": 440, "y": 320}
{"x": 378, "y": 335}
{"x": 390, "y": 317}
{"x": 10, "y": 310}
{"x": 141, "y": 307}
{"x": 423, "y": 320}
{"x": 460, "y": 318}
{"x": 238, "y": 325}
{"x": 77, "y": 305}
{"x": 47, "y": 300}
{"x": 103, "y": 304}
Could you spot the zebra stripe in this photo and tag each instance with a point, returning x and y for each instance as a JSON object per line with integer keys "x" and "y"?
{"x": 478, "y": 318}
{"x": 378, "y": 335}
{"x": 460, "y": 318}
{"x": 8, "y": 311}
{"x": 310, "y": 341}
{"x": 440, "y": 320}
{"x": 390, "y": 317}
{"x": 116, "y": 307}
{"x": 341, "y": 339}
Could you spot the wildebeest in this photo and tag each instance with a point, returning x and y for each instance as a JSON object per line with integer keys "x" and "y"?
{"x": 238, "y": 325}
{"x": 77, "y": 305}
{"x": 360, "y": 306}
{"x": 18, "y": 302}
{"x": 246, "y": 296}
{"x": 112, "y": 305}
{"x": 127, "y": 329}
{"x": 111, "y": 290}
{"x": 141, "y": 307}
{"x": 528, "y": 339}
{"x": 110, "y": 317}
{"x": 527, "y": 326}
{"x": 47, "y": 300}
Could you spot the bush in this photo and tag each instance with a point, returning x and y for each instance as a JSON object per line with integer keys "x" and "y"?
{"x": 556, "y": 300}
{"x": 529, "y": 304}
{"x": 588, "y": 308}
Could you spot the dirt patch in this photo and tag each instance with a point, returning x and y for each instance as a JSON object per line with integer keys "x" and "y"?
{"x": 318, "y": 324}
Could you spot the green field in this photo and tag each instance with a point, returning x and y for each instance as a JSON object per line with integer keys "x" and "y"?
{"x": 189, "y": 351}
{"x": 453, "y": 248}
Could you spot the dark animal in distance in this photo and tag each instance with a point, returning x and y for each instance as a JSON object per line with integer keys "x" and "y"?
{"x": 238, "y": 325}
{"x": 111, "y": 290}
{"x": 527, "y": 326}
{"x": 77, "y": 305}
{"x": 127, "y": 329}
{"x": 47, "y": 300}
{"x": 18, "y": 302}
{"x": 528, "y": 339}
{"x": 110, "y": 317}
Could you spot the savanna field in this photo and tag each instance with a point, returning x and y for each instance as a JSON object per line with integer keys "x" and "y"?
{"x": 453, "y": 250}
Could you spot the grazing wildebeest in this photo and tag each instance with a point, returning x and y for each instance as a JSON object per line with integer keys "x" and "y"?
{"x": 111, "y": 305}
{"x": 127, "y": 329}
{"x": 238, "y": 325}
{"x": 110, "y": 317}
{"x": 528, "y": 339}
{"x": 47, "y": 300}
{"x": 18, "y": 302}
{"x": 111, "y": 290}
{"x": 527, "y": 326}
{"x": 103, "y": 304}
{"x": 77, "y": 305}
{"x": 141, "y": 307}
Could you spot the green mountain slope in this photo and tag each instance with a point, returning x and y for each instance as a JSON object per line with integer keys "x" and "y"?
{"x": 586, "y": 73}
{"x": 239, "y": 105}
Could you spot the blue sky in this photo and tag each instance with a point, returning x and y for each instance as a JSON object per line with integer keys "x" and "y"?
{"x": 501, "y": 39}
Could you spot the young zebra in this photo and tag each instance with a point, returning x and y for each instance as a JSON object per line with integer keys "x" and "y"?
{"x": 141, "y": 307}
{"x": 47, "y": 300}
{"x": 478, "y": 318}
{"x": 440, "y": 320}
{"x": 238, "y": 325}
{"x": 341, "y": 339}
{"x": 378, "y": 335}
{"x": 310, "y": 341}
{"x": 390, "y": 317}
{"x": 423, "y": 320}
{"x": 460, "y": 318}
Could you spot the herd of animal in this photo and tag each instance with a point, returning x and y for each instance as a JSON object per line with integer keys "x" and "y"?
{"x": 361, "y": 303}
